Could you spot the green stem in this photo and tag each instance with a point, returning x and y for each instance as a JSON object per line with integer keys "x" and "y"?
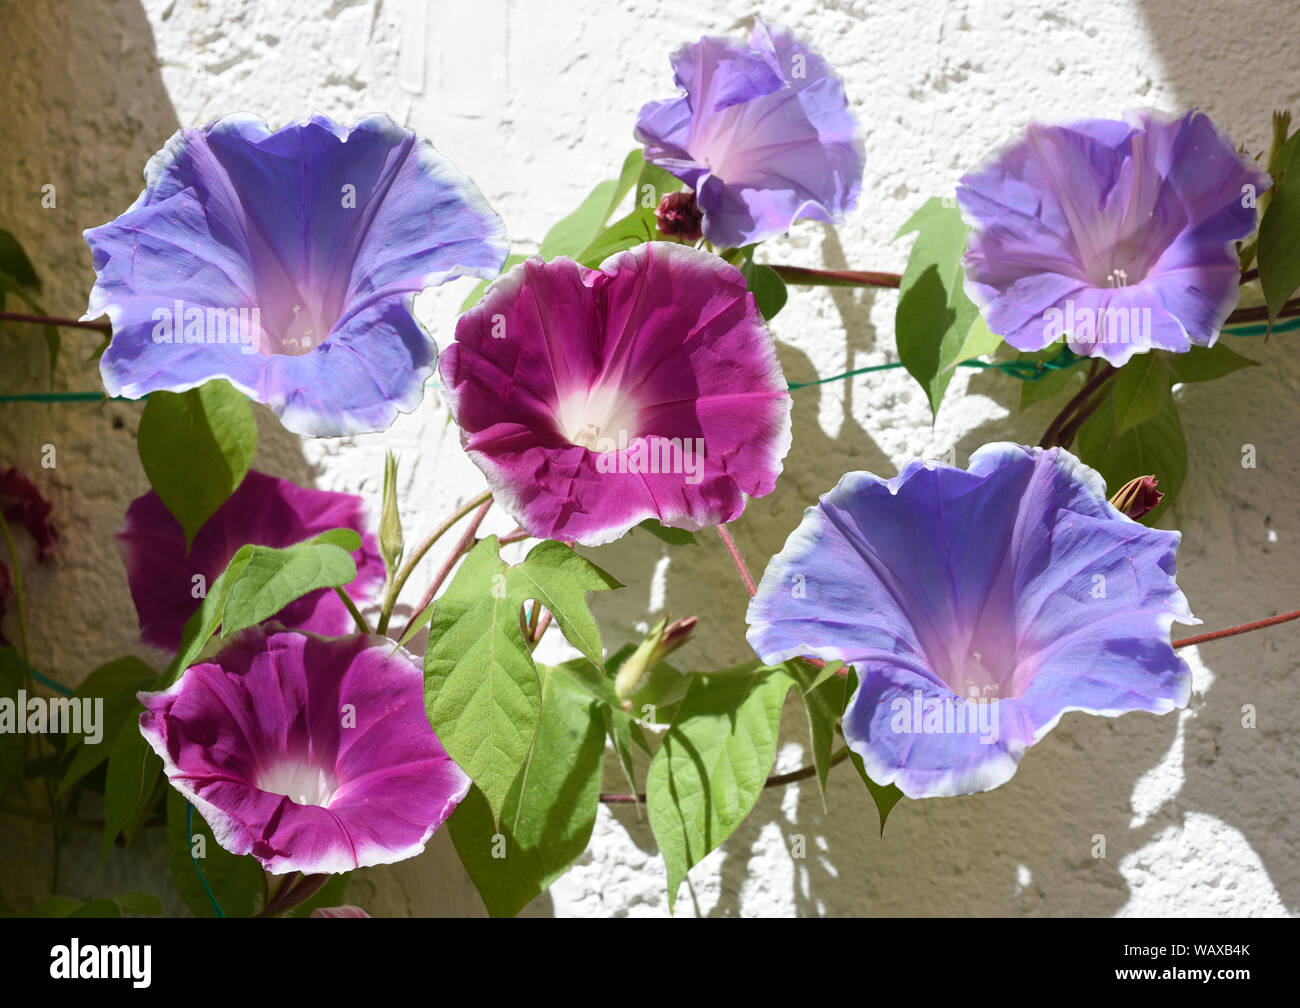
{"x": 466, "y": 543}
{"x": 357, "y": 618}
{"x": 399, "y": 582}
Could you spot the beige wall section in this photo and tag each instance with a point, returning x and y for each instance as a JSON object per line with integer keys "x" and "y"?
{"x": 536, "y": 102}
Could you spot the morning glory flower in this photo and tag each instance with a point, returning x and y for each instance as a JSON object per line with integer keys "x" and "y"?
{"x": 1116, "y": 236}
{"x": 595, "y": 399}
{"x": 977, "y": 606}
{"x": 287, "y": 262}
{"x": 763, "y": 133}
{"x": 168, "y": 584}
{"x": 312, "y": 754}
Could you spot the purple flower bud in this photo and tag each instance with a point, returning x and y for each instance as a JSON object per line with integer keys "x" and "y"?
{"x": 1138, "y": 497}
{"x": 679, "y": 217}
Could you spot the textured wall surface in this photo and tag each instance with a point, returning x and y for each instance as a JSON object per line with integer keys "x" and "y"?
{"x": 536, "y": 102}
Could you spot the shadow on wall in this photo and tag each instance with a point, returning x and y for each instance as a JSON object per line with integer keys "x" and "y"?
{"x": 1146, "y": 785}
{"x": 1235, "y": 60}
{"x": 85, "y": 108}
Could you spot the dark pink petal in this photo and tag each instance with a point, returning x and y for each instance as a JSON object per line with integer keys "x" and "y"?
{"x": 264, "y": 511}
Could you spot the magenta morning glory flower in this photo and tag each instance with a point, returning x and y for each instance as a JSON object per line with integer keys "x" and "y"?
{"x": 1117, "y": 236}
{"x": 763, "y": 133}
{"x": 595, "y": 399}
{"x": 287, "y": 262}
{"x": 977, "y": 607}
{"x": 168, "y": 585}
{"x": 312, "y": 754}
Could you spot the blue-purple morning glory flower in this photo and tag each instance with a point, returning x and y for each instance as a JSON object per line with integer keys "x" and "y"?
{"x": 763, "y": 134}
{"x": 1116, "y": 236}
{"x": 977, "y": 606}
{"x": 287, "y": 262}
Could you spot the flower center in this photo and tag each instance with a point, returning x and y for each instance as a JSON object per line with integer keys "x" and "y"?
{"x": 599, "y": 418}
{"x": 978, "y": 669}
{"x": 300, "y": 781}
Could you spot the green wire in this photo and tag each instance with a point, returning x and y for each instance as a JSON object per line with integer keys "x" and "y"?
{"x": 1022, "y": 370}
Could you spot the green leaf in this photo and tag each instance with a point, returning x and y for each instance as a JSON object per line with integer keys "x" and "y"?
{"x": 620, "y": 725}
{"x": 270, "y": 579}
{"x": 672, "y": 536}
{"x": 559, "y": 578}
{"x": 196, "y": 448}
{"x": 14, "y": 261}
{"x": 824, "y": 698}
{"x": 885, "y": 797}
{"x": 134, "y": 773}
{"x": 712, "y": 764}
{"x": 1140, "y": 390}
{"x": 934, "y": 316}
{"x": 652, "y": 185}
{"x": 579, "y": 229}
{"x": 482, "y": 694}
{"x": 979, "y": 342}
{"x": 62, "y": 906}
{"x": 236, "y": 882}
{"x": 145, "y": 904}
{"x": 627, "y": 232}
{"x": 1206, "y": 363}
{"x": 116, "y": 683}
{"x": 550, "y": 810}
{"x": 1279, "y": 252}
{"x": 766, "y": 286}
{"x": 1156, "y": 447}
{"x": 200, "y": 627}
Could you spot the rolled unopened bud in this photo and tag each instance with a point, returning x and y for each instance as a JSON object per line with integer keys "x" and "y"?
{"x": 679, "y": 217}
{"x": 391, "y": 542}
{"x": 1138, "y": 497}
{"x": 660, "y": 642}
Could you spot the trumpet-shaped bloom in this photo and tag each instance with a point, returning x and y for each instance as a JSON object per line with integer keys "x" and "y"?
{"x": 595, "y": 399}
{"x": 763, "y": 133}
{"x": 977, "y": 606}
{"x": 311, "y": 754}
{"x": 168, "y": 584}
{"x": 1117, "y": 236}
{"x": 287, "y": 262}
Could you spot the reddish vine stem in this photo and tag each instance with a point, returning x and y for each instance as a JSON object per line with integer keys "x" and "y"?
{"x": 62, "y": 323}
{"x": 1260, "y": 313}
{"x": 776, "y": 780}
{"x": 467, "y": 540}
{"x": 835, "y": 277}
{"x": 1234, "y": 631}
{"x": 1052, "y": 436}
{"x": 737, "y": 559}
{"x": 542, "y": 625}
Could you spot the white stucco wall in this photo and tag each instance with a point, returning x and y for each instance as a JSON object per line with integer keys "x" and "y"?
{"x": 536, "y": 102}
